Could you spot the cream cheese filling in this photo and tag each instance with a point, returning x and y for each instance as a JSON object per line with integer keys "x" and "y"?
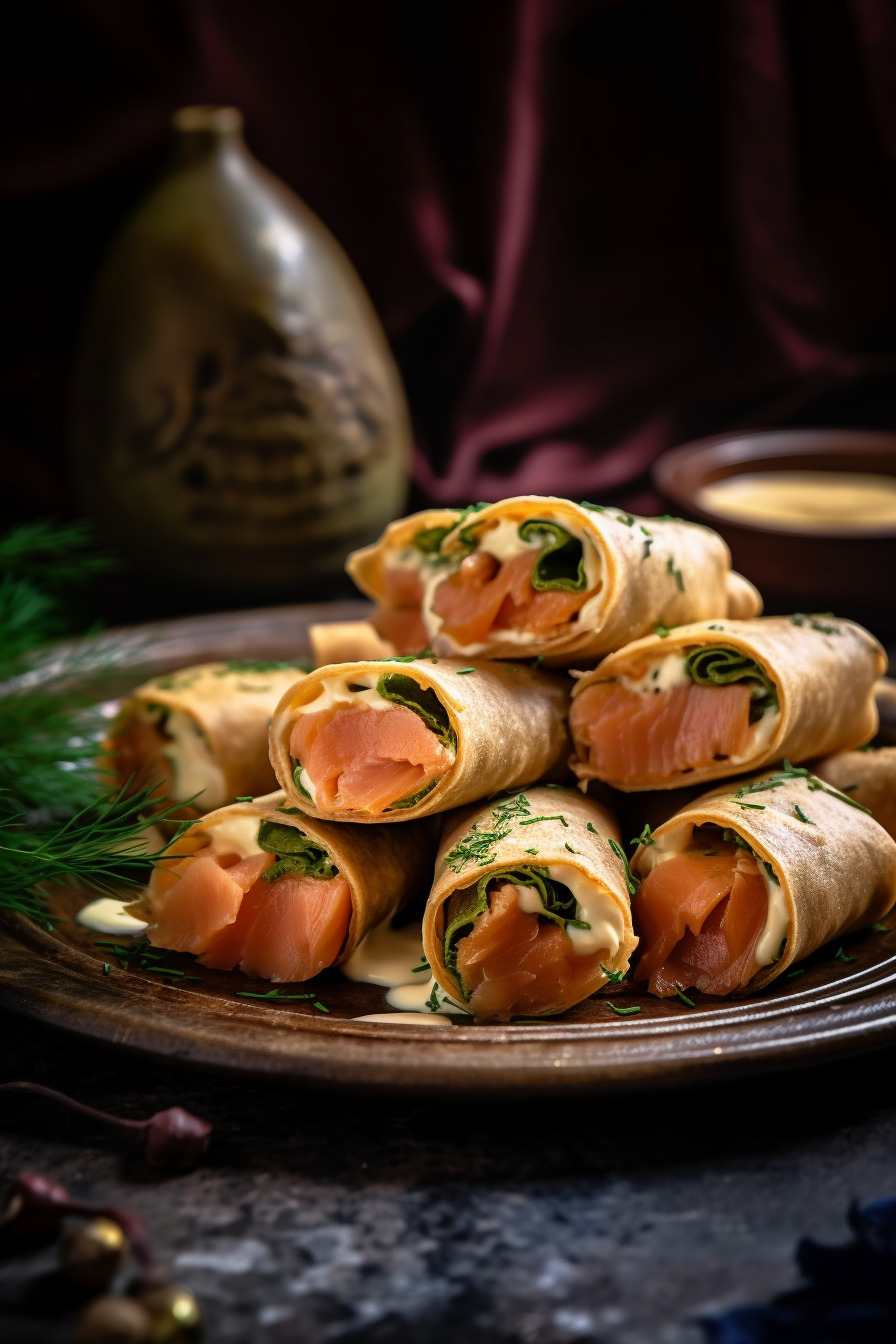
{"x": 235, "y": 835}
{"x": 605, "y": 919}
{"x": 191, "y": 761}
{"x": 502, "y": 540}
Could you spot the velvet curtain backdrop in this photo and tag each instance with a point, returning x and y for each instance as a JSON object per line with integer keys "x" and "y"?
{"x": 592, "y": 228}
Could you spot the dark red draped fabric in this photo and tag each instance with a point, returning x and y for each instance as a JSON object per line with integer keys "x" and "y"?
{"x": 592, "y": 228}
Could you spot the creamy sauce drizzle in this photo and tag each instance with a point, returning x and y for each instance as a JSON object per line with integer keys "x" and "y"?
{"x": 806, "y": 500}
{"x": 387, "y": 957}
{"x": 107, "y": 915}
{"x": 403, "y": 1019}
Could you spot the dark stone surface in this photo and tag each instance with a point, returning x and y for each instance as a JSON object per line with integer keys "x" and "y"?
{"x": 335, "y": 1217}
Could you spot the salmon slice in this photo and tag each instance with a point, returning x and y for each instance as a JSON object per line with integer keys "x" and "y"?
{"x": 299, "y": 929}
{"x": 516, "y": 963}
{"x": 205, "y": 898}
{"x": 402, "y": 586}
{"x": 402, "y": 626}
{"x": 486, "y": 595}
{"x": 698, "y": 918}
{"x": 366, "y": 759}
{"x": 630, "y": 737}
{"x": 218, "y": 907}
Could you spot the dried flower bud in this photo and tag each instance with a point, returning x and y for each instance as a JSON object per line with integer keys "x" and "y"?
{"x": 35, "y": 1206}
{"x": 92, "y": 1254}
{"x": 176, "y": 1139}
{"x": 114, "y": 1320}
{"x": 176, "y": 1317}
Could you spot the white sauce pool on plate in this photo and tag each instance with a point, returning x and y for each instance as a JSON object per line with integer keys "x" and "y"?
{"x": 387, "y": 957}
{"x": 107, "y": 915}
{"x": 402, "y": 1019}
{"x": 812, "y": 501}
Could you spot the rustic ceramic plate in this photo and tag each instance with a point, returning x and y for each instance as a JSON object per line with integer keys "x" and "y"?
{"x": 843, "y": 1002}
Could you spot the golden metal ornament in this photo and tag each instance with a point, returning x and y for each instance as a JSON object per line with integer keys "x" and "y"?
{"x": 176, "y": 1317}
{"x": 93, "y": 1253}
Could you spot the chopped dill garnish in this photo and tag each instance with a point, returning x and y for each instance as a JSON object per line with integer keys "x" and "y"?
{"x": 631, "y": 881}
{"x": 645, "y": 838}
{"x": 537, "y": 662}
{"x": 648, "y": 539}
{"x": 274, "y": 995}
{"x": 841, "y": 955}
{"x": 794, "y": 972}
{"x": 592, "y": 828}
{"x": 479, "y": 846}
{"x": 613, "y": 977}
{"x": 869, "y": 746}
{"x": 532, "y": 851}
{"x": 106, "y": 968}
{"x": 754, "y": 807}
{"x": 688, "y": 1003}
{"x": 802, "y": 816}
{"x": 676, "y": 574}
{"x": 880, "y": 928}
{"x": 141, "y": 955}
{"x": 432, "y": 1002}
{"x": 321, "y": 1007}
{"x": 568, "y": 846}
{"x": 622, "y": 1012}
{"x": 815, "y": 622}
{"x": 662, "y": 630}
{"x": 813, "y": 784}
{"x": 424, "y": 966}
{"x": 464, "y": 671}
{"x": 558, "y": 816}
{"x": 245, "y": 798}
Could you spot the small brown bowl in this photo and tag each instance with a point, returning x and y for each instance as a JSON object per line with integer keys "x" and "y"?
{"x": 850, "y": 573}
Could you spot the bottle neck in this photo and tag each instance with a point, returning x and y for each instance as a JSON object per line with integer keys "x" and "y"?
{"x": 204, "y": 131}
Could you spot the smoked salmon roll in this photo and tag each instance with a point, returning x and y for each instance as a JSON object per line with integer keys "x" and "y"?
{"x": 869, "y": 777}
{"x": 394, "y": 570}
{"x": 537, "y": 576}
{"x": 530, "y": 909}
{"x": 396, "y": 739}
{"x": 714, "y": 699}
{"x": 279, "y": 895}
{"x": 750, "y": 878}
{"x": 201, "y": 730}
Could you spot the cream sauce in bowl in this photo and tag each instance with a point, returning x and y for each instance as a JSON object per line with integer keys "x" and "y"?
{"x": 806, "y": 501}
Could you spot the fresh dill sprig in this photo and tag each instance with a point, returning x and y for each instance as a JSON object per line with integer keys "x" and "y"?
{"x": 98, "y": 848}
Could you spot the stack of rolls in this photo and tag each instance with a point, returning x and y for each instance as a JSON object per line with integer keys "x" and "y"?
{"x": 537, "y": 645}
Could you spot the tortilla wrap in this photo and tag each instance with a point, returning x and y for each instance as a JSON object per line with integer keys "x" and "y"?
{"x": 823, "y": 672}
{"x": 565, "y": 847}
{"x": 867, "y": 776}
{"x": 637, "y": 572}
{"x": 509, "y": 722}
{"x": 223, "y": 711}
{"x": 835, "y": 866}
{"x": 384, "y": 868}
